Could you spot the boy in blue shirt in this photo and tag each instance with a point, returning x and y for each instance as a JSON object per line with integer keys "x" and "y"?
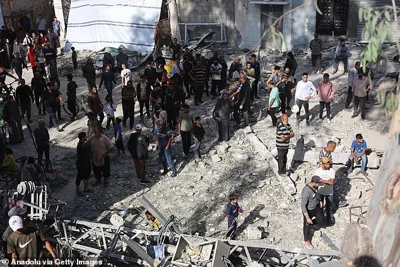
{"x": 119, "y": 143}
{"x": 232, "y": 212}
{"x": 358, "y": 151}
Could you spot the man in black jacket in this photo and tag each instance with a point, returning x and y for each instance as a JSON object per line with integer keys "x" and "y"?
{"x": 150, "y": 73}
{"x": 243, "y": 103}
{"x": 24, "y": 97}
{"x": 17, "y": 64}
{"x": 143, "y": 91}
{"x": 138, "y": 147}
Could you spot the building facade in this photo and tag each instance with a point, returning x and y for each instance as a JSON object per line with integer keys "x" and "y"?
{"x": 245, "y": 21}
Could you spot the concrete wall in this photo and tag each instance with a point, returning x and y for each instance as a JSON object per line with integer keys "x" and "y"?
{"x": 252, "y": 26}
{"x": 33, "y": 7}
{"x": 209, "y": 11}
{"x": 352, "y": 21}
{"x": 303, "y": 24}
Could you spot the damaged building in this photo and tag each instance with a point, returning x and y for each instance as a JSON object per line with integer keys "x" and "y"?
{"x": 242, "y": 22}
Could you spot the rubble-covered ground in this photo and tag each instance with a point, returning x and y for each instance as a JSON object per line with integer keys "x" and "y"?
{"x": 199, "y": 194}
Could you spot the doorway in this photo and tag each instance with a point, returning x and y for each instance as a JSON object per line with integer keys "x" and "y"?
{"x": 334, "y": 17}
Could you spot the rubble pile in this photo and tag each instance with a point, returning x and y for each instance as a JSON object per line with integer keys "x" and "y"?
{"x": 199, "y": 194}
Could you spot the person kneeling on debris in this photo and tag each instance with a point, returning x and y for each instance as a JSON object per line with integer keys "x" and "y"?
{"x": 232, "y": 212}
{"x": 154, "y": 222}
{"x": 311, "y": 209}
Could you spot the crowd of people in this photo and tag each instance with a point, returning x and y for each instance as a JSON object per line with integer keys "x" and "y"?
{"x": 162, "y": 93}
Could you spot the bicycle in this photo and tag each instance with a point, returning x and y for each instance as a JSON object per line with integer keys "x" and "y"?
{"x": 147, "y": 121}
{"x": 6, "y": 91}
{"x": 80, "y": 105}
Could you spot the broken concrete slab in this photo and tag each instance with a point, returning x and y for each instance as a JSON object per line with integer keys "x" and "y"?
{"x": 221, "y": 149}
{"x": 241, "y": 157}
{"x": 318, "y": 141}
{"x": 263, "y": 152}
{"x": 374, "y": 161}
{"x": 215, "y": 158}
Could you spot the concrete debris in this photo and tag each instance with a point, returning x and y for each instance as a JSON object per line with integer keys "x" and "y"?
{"x": 318, "y": 141}
{"x": 199, "y": 192}
{"x": 241, "y": 157}
{"x": 216, "y": 158}
{"x": 355, "y": 193}
{"x": 221, "y": 148}
{"x": 263, "y": 152}
{"x": 202, "y": 165}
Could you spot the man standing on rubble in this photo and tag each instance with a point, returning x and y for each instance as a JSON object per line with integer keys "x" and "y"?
{"x": 128, "y": 95}
{"x": 126, "y": 75}
{"x": 311, "y": 209}
{"x": 256, "y": 66}
{"x": 283, "y": 134}
{"x": 164, "y": 144}
{"x": 138, "y": 147}
{"x": 199, "y": 74}
{"x": 243, "y": 103}
{"x": 327, "y": 175}
{"x": 352, "y": 75}
{"x": 121, "y": 58}
{"x": 100, "y": 148}
{"x": 316, "y": 47}
{"x": 360, "y": 89}
{"x": 305, "y": 90}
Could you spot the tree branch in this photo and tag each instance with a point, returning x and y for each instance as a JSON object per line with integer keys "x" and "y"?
{"x": 275, "y": 23}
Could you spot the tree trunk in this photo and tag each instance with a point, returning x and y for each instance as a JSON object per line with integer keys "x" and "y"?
{"x": 173, "y": 20}
{"x": 383, "y": 217}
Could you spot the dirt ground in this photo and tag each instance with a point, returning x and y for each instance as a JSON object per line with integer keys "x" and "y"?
{"x": 198, "y": 195}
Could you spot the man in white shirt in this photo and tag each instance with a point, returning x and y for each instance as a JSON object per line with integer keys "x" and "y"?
{"x": 178, "y": 68}
{"x": 327, "y": 175}
{"x": 360, "y": 90}
{"x": 236, "y": 74}
{"x": 41, "y": 24}
{"x": 352, "y": 75}
{"x": 125, "y": 75}
{"x": 304, "y": 92}
{"x": 216, "y": 70}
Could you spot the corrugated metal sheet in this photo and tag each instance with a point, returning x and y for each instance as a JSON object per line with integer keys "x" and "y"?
{"x": 375, "y": 3}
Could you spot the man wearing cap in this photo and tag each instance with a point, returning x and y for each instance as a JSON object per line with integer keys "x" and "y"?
{"x": 311, "y": 208}
{"x": 138, "y": 147}
{"x": 24, "y": 244}
{"x": 185, "y": 126}
{"x": 327, "y": 175}
{"x": 15, "y": 211}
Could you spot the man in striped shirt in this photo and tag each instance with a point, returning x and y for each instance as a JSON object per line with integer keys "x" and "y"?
{"x": 199, "y": 74}
{"x": 283, "y": 134}
{"x": 327, "y": 151}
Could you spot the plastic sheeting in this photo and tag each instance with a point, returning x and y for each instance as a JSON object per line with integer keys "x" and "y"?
{"x": 95, "y": 24}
